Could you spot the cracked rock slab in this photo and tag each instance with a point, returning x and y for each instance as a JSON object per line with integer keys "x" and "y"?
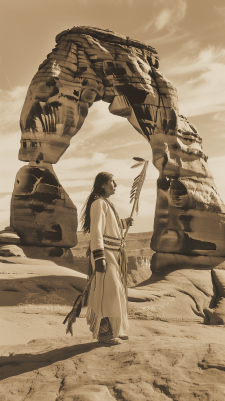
{"x": 90, "y": 392}
{"x": 161, "y": 362}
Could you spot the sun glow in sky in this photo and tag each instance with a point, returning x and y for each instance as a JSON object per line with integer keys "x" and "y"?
{"x": 188, "y": 36}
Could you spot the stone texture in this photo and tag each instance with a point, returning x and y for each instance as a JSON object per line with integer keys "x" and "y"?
{"x": 161, "y": 362}
{"x": 8, "y": 235}
{"x": 219, "y": 278}
{"x": 170, "y": 354}
{"x": 38, "y": 276}
{"x": 89, "y": 64}
{"x": 216, "y": 315}
{"x": 42, "y": 213}
{"x": 180, "y": 295}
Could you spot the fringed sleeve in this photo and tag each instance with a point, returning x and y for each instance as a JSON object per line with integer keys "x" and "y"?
{"x": 97, "y": 229}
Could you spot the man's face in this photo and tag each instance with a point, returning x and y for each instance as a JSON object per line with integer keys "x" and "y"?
{"x": 110, "y": 187}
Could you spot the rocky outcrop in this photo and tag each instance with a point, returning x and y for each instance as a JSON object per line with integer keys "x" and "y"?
{"x": 161, "y": 362}
{"x": 41, "y": 211}
{"x": 8, "y": 235}
{"x": 90, "y": 64}
{"x": 169, "y": 355}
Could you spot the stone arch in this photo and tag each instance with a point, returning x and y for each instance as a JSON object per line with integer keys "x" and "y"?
{"x": 90, "y": 64}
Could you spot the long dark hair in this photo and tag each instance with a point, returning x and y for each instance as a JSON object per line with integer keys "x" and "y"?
{"x": 96, "y": 193}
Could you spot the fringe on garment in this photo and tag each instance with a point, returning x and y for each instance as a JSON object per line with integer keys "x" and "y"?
{"x": 73, "y": 314}
{"x": 75, "y": 311}
{"x": 93, "y": 321}
{"x": 119, "y": 325}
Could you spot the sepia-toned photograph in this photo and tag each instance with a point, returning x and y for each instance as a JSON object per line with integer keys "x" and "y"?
{"x": 112, "y": 200}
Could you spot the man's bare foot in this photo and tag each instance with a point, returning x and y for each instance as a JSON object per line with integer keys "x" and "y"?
{"x": 125, "y": 337}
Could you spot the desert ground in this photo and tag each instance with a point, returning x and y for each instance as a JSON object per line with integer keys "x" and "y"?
{"x": 162, "y": 360}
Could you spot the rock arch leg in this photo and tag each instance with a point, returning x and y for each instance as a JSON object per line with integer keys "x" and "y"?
{"x": 190, "y": 215}
{"x": 55, "y": 108}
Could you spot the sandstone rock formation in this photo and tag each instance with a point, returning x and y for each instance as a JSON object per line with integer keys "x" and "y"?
{"x": 89, "y": 64}
{"x": 92, "y": 64}
{"x": 41, "y": 211}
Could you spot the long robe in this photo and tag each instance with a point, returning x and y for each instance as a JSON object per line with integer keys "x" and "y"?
{"x": 107, "y": 297}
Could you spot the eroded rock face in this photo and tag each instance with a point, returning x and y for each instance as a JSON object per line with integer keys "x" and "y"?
{"x": 161, "y": 362}
{"x": 41, "y": 211}
{"x": 90, "y": 64}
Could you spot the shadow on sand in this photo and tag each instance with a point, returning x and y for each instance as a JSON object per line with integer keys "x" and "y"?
{"x": 14, "y": 365}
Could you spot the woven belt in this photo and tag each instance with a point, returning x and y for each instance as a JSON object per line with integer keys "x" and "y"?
{"x": 111, "y": 243}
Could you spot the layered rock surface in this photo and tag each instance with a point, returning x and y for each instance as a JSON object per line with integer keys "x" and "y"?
{"x": 160, "y": 362}
{"x": 41, "y": 211}
{"x": 89, "y": 64}
{"x": 170, "y": 354}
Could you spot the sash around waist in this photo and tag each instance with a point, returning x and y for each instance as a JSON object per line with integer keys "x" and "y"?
{"x": 111, "y": 243}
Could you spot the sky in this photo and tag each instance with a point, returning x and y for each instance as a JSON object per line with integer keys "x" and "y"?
{"x": 188, "y": 36}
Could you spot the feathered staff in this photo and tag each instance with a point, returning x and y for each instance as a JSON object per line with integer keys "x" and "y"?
{"x": 134, "y": 195}
{"x": 137, "y": 185}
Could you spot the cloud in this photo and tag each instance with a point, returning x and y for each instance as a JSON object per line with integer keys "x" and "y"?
{"x": 206, "y": 93}
{"x": 11, "y": 103}
{"x": 163, "y": 19}
{"x": 166, "y": 17}
{"x": 217, "y": 166}
{"x": 219, "y": 117}
{"x": 164, "y": 23}
{"x": 9, "y": 160}
{"x": 192, "y": 59}
{"x": 199, "y": 76}
{"x": 220, "y": 10}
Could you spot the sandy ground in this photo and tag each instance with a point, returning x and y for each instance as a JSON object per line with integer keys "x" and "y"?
{"x": 22, "y": 324}
{"x": 162, "y": 361}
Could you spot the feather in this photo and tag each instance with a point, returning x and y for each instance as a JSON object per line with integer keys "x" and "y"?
{"x": 136, "y": 187}
{"x": 137, "y": 165}
{"x": 139, "y": 159}
{"x": 137, "y": 184}
{"x": 75, "y": 311}
{"x": 137, "y": 177}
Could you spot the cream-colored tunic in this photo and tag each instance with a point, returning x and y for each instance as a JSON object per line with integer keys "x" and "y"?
{"x": 107, "y": 296}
